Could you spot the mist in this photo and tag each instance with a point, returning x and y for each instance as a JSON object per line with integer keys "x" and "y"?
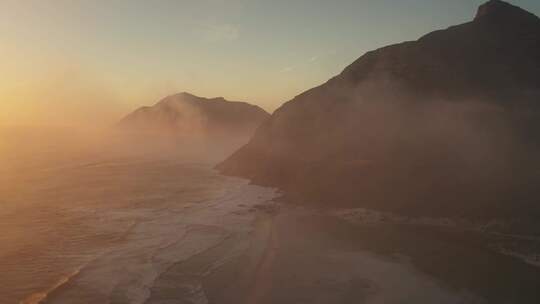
{"x": 139, "y": 162}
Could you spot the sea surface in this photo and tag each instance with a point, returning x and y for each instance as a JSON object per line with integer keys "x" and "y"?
{"x": 92, "y": 227}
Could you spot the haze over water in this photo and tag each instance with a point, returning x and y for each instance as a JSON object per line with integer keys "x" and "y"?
{"x": 70, "y": 213}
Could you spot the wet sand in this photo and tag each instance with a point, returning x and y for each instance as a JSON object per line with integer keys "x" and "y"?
{"x": 303, "y": 257}
{"x": 313, "y": 258}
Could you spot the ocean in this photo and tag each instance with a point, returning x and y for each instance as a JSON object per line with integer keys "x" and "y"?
{"x": 97, "y": 228}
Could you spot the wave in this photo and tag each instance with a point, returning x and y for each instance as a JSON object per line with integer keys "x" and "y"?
{"x": 39, "y": 297}
{"x": 153, "y": 233}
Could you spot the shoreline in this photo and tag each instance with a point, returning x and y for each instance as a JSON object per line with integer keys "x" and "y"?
{"x": 301, "y": 262}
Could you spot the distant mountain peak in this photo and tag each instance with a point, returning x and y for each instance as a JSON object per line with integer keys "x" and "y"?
{"x": 185, "y": 114}
{"x": 188, "y": 97}
{"x": 182, "y": 95}
{"x": 187, "y": 94}
{"x": 500, "y": 10}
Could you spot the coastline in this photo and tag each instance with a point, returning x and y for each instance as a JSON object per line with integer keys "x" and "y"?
{"x": 295, "y": 257}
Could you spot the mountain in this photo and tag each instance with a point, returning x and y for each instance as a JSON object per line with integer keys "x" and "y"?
{"x": 447, "y": 125}
{"x": 186, "y": 115}
{"x": 184, "y": 125}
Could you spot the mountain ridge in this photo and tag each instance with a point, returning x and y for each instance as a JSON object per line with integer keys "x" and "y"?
{"x": 188, "y": 122}
{"x": 380, "y": 122}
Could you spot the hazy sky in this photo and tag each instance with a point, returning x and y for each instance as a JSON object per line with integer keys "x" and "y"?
{"x": 71, "y": 60}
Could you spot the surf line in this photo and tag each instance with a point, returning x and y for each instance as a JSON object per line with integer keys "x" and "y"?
{"x": 39, "y": 297}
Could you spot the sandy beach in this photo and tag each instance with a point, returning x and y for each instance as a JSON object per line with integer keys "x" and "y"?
{"x": 296, "y": 258}
{"x": 303, "y": 256}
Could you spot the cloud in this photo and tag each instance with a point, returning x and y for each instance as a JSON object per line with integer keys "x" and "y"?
{"x": 220, "y": 32}
{"x": 287, "y": 69}
{"x": 311, "y": 60}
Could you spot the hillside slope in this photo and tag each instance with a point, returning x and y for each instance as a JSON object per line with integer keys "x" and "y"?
{"x": 447, "y": 125}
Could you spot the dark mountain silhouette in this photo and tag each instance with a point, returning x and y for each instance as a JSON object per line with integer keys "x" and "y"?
{"x": 186, "y": 115}
{"x": 446, "y": 125}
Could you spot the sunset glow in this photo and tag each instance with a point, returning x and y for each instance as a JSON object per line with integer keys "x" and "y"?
{"x": 112, "y": 56}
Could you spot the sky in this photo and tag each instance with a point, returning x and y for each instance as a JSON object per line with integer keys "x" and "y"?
{"x": 72, "y": 61}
